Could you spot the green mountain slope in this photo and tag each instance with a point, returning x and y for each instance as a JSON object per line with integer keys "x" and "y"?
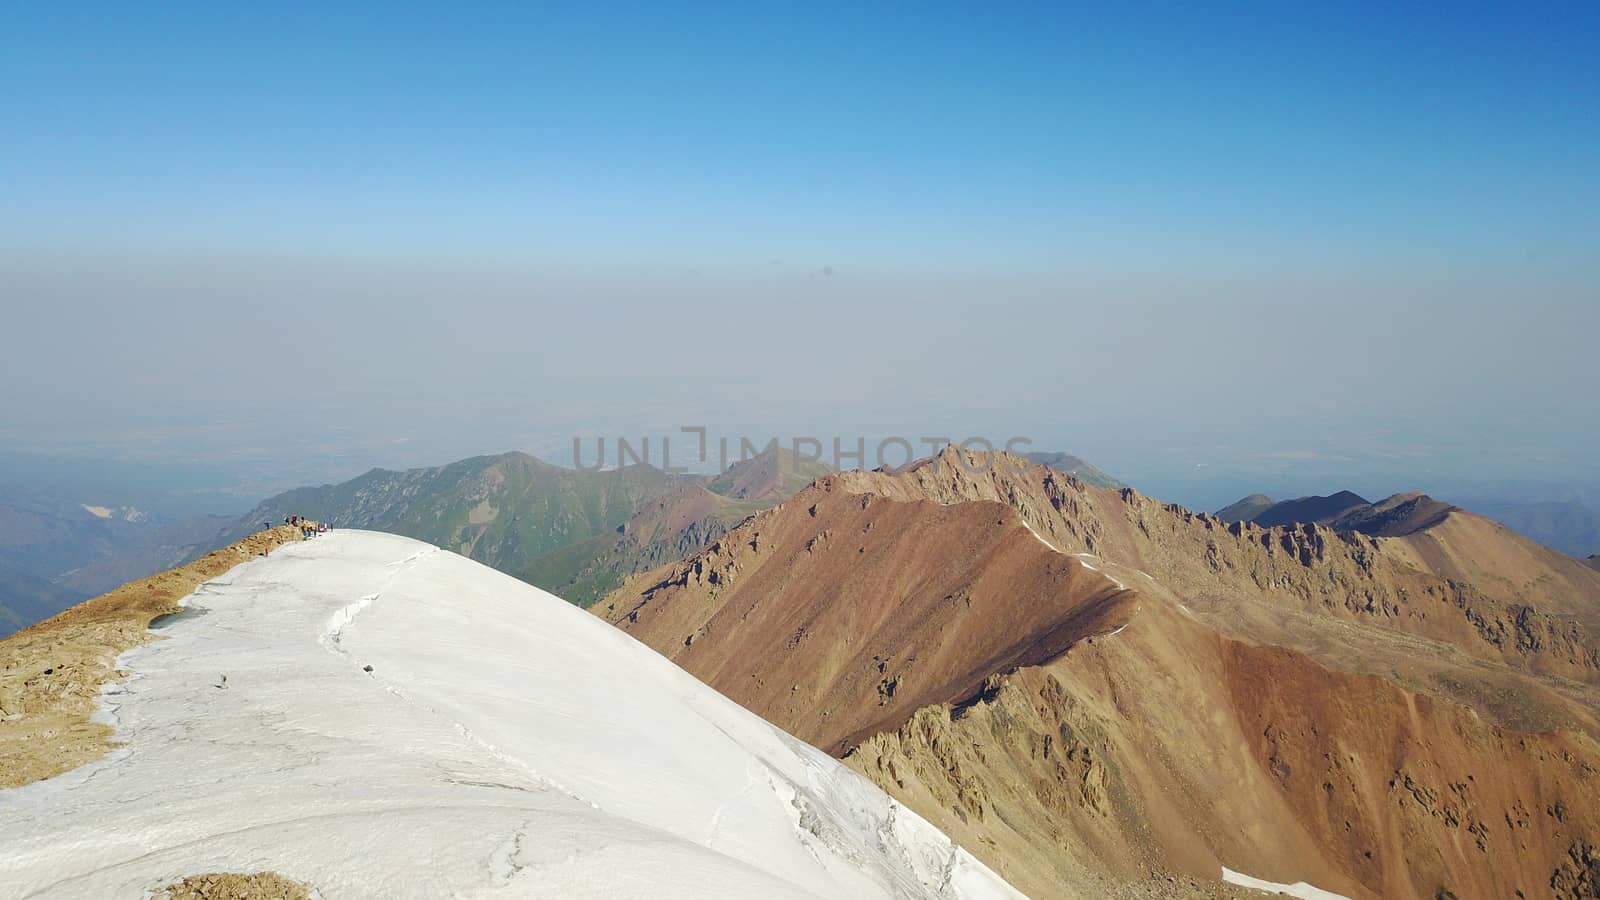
{"x": 1247, "y": 509}
{"x": 1078, "y": 468}
{"x": 575, "y": 533}
{"x": 779, "y": 473}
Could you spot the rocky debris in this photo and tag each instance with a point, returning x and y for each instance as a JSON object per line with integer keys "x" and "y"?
{"x": 235, "y": 886}
{"x": 1578, "y": 876}
{"x": 886, "y": 689}
{"x": 1521, "y": 629}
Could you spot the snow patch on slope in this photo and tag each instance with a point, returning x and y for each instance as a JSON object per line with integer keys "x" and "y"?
{"x": 504, "y": 744}
{"x": 1298, "y": 889}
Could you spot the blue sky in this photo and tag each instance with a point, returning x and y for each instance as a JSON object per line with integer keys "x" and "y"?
{"x": 1374, "y": 229}
{"x": 898, "y": 136}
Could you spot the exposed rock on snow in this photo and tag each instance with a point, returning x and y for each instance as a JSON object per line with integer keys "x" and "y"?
{"x": 235, "y": 886}
{"x": 403, "y": 722}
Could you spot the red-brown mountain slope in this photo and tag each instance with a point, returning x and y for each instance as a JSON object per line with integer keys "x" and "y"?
{"x": 863, "y": 650}
{"x": 1178, "y": 696}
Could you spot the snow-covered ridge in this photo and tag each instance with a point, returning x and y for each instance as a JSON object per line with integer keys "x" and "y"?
{"x": 504, "y": 743}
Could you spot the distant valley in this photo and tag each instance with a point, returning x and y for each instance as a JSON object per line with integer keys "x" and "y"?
{"x": 56, "y": 550}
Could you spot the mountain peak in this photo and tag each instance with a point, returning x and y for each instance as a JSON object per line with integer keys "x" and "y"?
{"x": 774, "y": 472}
{"x": 1397, "y": 515}
{"x": 1310, "y": 510}
{"x": 1245, "y": 509}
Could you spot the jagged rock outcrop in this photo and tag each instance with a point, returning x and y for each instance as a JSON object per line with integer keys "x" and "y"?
{"x": 1523, "y": 604}
{"x": 1169, "y": 747}
{"x": 1578, "y": 876}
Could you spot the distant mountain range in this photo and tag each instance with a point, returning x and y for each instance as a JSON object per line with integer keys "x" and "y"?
{"x": 576, "y": 533}
{"x": 1568, "y": 526}
{"x": 1321, "y": 510}
{"x": 1398, "y": 515}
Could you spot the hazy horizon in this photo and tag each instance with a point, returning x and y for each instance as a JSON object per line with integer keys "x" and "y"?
{"x": 1351, "y": 251}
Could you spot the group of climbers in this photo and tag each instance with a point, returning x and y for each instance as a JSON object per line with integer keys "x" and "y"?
{"x": 308, "y": 528}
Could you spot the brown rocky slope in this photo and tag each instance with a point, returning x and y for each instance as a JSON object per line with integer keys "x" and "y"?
{"x": 861, "y": 653}
{"x": 1180, "y": 695}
